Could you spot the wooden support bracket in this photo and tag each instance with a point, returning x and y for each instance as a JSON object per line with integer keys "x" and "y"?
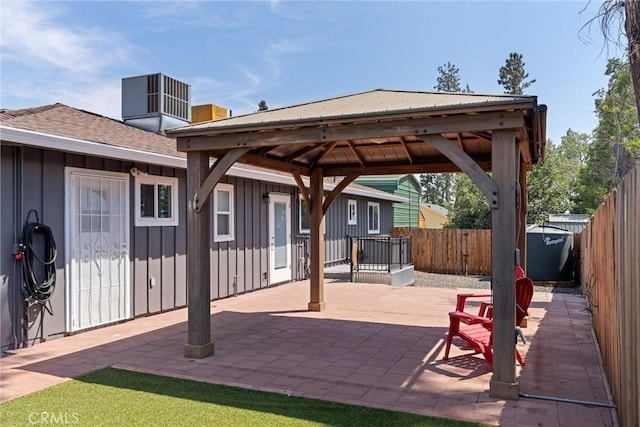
{"x": 216, "y": 172}
{"x": 302, "y": 188}
{"x": 484, "y": 182}
{"x": 337, "y": 190}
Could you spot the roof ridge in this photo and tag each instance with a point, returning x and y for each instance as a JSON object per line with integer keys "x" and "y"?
{"x": 6, "y": 113}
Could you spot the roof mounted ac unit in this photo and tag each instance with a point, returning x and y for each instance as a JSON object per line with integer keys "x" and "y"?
{"x": 155, "y": 102}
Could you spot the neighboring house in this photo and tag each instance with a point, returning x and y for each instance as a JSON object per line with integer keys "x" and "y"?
{"x": 405, "y": 214}
{"x": 433, "y": 216}
{"x": 570, "y": 222}
{"x": 115, "y": 199}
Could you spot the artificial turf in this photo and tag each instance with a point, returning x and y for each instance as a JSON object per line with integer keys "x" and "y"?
{"x": 115, "y": 397}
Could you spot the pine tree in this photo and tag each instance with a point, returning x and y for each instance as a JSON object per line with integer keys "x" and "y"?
{"x": 513, "y": 76}
{"x": 262, "y": 105}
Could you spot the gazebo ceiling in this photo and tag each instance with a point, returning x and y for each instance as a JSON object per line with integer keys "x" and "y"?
{"x": 371, "y": 133}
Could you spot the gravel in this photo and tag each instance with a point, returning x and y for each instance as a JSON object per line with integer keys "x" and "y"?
{"x": 432, "y": 280}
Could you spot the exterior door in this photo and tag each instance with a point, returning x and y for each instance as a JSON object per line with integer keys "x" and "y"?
{"x": 97, "y": 248}
{"x": 279, "y": 238}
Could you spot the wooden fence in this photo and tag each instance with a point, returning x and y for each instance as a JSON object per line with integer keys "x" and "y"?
{"x": 610, "y": 279}
{"x": 449, "y": 251}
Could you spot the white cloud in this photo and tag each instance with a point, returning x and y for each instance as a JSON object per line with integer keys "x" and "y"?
{"x": 46, "y": 59}
{"x": 168, "y": 15}
{"x": 278, "y": 7}
{"x": 36, "y": 36}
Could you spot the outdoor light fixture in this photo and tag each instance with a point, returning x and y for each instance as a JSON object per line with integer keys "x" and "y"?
{"x": 265, "y": 198}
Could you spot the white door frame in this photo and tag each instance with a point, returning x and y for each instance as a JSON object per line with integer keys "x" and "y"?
{"x": 283, "y": 274}
{"x": 69, "y": 222}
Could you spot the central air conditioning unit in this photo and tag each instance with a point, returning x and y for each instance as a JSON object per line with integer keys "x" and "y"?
{"x": 155, "y": 102}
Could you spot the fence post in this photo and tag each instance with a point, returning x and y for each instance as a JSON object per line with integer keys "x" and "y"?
{"x": 389, "y": 254}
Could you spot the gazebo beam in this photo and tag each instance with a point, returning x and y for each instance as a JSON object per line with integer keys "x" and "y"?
{"x": 506, "y": 155}
{"x": 199, "y": 342}
{"x": 385, "y": 168}
{"x": 278, "y": 165}
{"x": 522, "y": 214}
{"x": 316, "y": 241}
{"x": 322, "y": 133}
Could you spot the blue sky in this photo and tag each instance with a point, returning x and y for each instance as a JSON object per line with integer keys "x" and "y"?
{"x": 236, "y": 53}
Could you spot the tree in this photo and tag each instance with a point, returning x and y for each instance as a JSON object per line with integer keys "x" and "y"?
{"x": 448, "y": 79}
{"x": 548, "y": 187}
{"x": 437, "y": 188}
{"x": 262, "y": 105}
{"x": 573, "y": 151}
{"x": 513, "y": 76}
{"x": 628, "y": 11}
{"x": 616, "y": 139}
{"x": 470, "y": 209}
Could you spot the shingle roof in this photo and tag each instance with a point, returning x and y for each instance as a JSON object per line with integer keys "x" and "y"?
{"x": 68, "y": 122}
{"x": 62, "y": 120}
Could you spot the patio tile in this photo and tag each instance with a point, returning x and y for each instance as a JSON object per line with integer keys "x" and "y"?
{"x": 387, "y": 356}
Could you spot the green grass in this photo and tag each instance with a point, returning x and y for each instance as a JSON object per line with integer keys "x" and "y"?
{"x": 123, "y": 398}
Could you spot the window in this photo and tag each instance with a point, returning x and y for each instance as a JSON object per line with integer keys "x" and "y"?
{"x": 304, "y": 218}
{"x": 373, "y": 217}
{"x": 156, "y": 200}
{"x": 352, "y": 218}
{"x": 304, "y": 221}
{"x": 223, "y": 213}
{"x": 95, "y": 211}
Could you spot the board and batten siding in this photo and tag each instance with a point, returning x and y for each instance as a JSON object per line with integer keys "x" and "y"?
{"x": 33, "y": 178}
{"x": 407, "y": 214}
{"x": 337, "y": 229}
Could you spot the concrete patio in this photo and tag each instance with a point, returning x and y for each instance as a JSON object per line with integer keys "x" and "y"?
{"x": 374, "y": 345}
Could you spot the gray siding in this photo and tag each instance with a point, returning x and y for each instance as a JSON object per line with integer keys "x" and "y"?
{"x": 35, "y": 179}
{"x": 337, "y": 228}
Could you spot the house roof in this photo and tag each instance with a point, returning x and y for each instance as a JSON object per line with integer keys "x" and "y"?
{"x": 62, "y": 120}
{"x": 58, "y": 126}
{"x": 579, "y": 218}
{"x": 395, "y": 179}
{"x": 435, "y": 208}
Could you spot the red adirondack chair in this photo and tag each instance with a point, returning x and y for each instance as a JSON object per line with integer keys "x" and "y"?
{"x": 477, "y": 329}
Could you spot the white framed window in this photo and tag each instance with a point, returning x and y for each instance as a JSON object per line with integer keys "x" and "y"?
{"x": 352, "y": 209}
{"x": 223, "y": 213}
{"x": 156, "y": 199}
{"x": 304, "y": 219}
{"x": 373, "y": 217}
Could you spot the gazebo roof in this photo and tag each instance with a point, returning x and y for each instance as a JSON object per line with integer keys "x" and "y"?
{"x": 375, "y": 132}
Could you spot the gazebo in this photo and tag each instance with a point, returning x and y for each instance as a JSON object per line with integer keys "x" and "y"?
{"x": 373, "y": 133}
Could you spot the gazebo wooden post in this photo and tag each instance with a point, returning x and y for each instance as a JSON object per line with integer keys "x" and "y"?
{"x": 504, "y": 157}
{"x": 199, "y": 342}
{"x": 316, "y": 240}
{"x": 522, "y": 223}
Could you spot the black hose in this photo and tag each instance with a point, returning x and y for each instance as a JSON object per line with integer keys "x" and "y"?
{"x": 35, "y": 289}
